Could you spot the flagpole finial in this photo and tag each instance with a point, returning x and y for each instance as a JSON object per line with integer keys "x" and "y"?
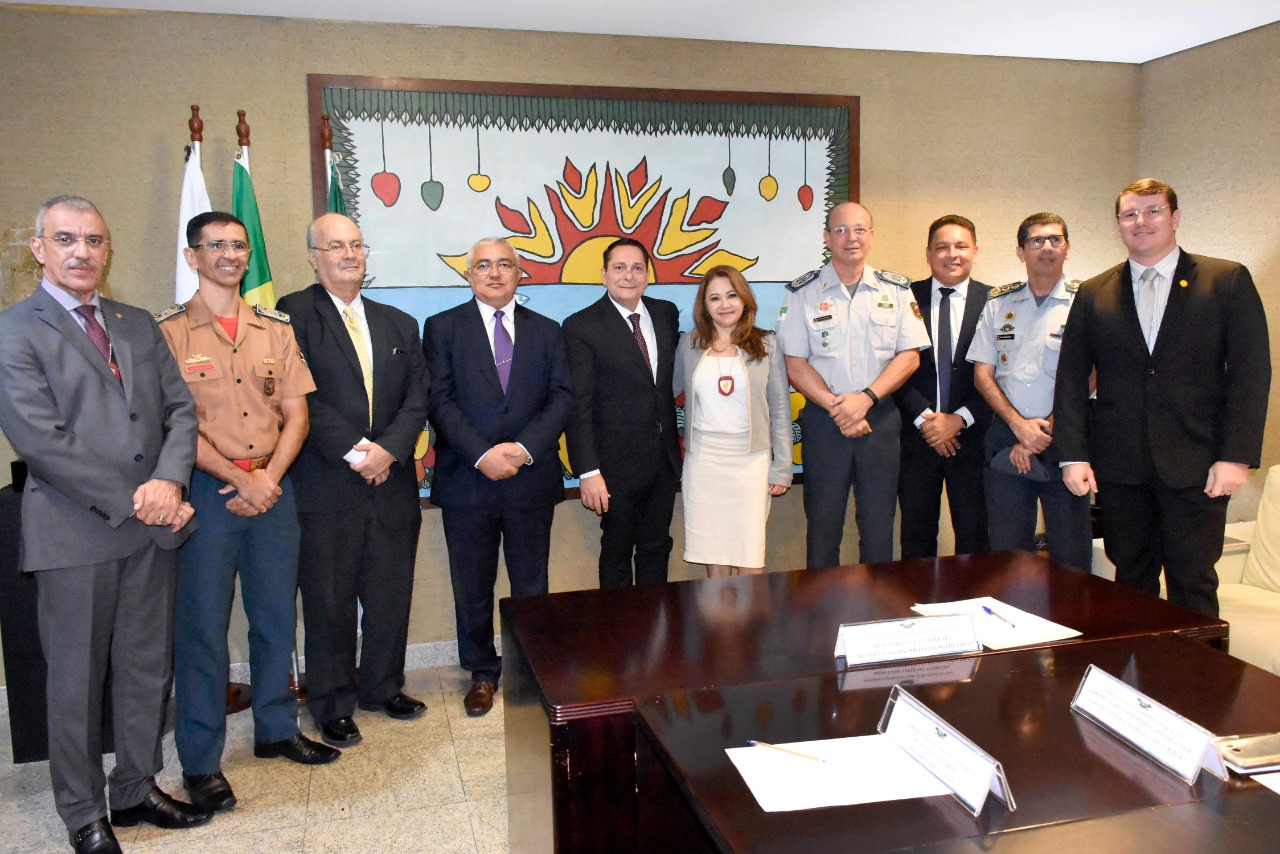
{"x": 326, "y": 133}
{"x": 196, "y": 124}
{"x": 242, "y": 129}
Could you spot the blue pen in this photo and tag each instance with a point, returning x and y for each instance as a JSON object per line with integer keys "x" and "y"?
{"x": 999, "y": 616}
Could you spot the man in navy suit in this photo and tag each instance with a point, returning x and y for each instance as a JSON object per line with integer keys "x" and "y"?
{"x": 1180, "y": 346}
{"x": 622, "y": 439}
{"x": 500, "y": 398}
{"x": 944, "y": 418}
{"x": 357, "y": 491}
{"x": 94, "y": 403}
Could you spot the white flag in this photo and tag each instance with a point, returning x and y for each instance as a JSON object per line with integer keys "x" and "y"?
{"x": 195, "y": 200}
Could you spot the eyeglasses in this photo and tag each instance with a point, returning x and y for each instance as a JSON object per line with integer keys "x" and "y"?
{"x": 355, "y": 247}
{"x": 1154, "y": 213}
{"x": 857, "y": 230}
{"x": 218, "y": 247}
{"x": 505, "y": 265}
{"x": 92, "y": 242}
{"x": 1057, "y": 241}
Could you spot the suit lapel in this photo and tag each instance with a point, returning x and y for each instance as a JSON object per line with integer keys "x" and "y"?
{"x": 121, "y": 346}
{"x": 472, "y": 326}
{"x": 49, "y": 311}
{"x": 332, "y": 319}
{"x": 619, "y": 328}
{"x": 1128, "y": 305}
{"x": 1175, "y": 308}
{"x": 924, "y": 300}
{"x": 974, "y": 301}
{"x": 379, "y": 342}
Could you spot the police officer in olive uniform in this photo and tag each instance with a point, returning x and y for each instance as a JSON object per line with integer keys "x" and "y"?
{"x": 851, "y": 336}
{"x": 1015, "y": 354}
{"x": 243, "y": 367}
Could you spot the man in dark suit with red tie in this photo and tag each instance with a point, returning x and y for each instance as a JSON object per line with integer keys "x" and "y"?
{"x": 944, "y": 418}
{"x": 357, "y": 490}
{"x": 500, "y": 398}
{"x": 1180, "y": 346}
{"x": 622, "y": 438}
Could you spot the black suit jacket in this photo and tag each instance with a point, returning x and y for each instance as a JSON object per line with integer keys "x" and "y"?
{"x": 624, "y": 422}
{"x": 470, "y": 413}
{"x": 339, "y": 406}
{"x": 1199, "y": 398}
{"x": 920, "y": 391}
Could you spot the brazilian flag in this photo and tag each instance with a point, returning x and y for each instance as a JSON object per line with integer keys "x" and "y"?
{"x": 255, "y": 287}
{"x": 336, "y": 203}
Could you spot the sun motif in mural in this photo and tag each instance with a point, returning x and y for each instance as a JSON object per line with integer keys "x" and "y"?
{"x": 587, "y": 214}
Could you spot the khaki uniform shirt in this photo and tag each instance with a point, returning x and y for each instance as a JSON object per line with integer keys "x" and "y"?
{"x": 238, "y": 385}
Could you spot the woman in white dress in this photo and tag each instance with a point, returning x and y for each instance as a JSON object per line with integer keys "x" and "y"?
{"x": 737, "y": 426}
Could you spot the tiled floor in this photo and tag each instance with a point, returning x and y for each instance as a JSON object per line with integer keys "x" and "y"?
{"x": 436, "y": 784}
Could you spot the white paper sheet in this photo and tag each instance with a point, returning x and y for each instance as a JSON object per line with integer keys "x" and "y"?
{"x": 1271, "y": 781}
{"x": 1017, "y": 628}
{"x": 860, "y": 770}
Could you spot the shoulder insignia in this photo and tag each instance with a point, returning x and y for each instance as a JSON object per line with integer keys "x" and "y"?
{"x": 891, "y": 278}
{"x": 1012, "y": 287}
{"x": 171, "y": 311}
{"x": 272, "y": 313}
{"x": 1073, "y": 285}
{"x": 803, "y": 280}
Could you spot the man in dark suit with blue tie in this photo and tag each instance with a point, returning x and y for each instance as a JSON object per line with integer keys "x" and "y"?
{"x": 94, "y": 403}
{"x": 357, "y": 490}
{"x": 622, "y": 438}
{"x": 944, "y": 418}
{"x": 500, "y": 398}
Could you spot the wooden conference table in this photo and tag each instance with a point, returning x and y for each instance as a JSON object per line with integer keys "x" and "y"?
{"x": 1062, "y": 768}
{"x": 575, "y": 665}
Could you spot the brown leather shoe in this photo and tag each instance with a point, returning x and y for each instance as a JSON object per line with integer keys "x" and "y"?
{"x": 479, "y": 699}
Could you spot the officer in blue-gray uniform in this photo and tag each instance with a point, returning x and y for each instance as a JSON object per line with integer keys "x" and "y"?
{"x": 1015, "y": 354}
{"x": 851, "y": 336}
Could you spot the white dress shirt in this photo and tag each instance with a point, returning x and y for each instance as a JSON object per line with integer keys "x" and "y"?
{"x": 1162, "y": 285}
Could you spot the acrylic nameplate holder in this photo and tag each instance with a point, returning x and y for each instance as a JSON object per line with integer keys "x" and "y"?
{"x": 1151, "y": 728}
{"x": 963, "y": 767}
{"x": 915, "y": 637}
{"x": 917, "y": 673}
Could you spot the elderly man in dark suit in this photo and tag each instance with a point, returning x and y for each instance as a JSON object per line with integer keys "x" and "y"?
{"x": 95, "y": 405}
{"x": 1180, "y": 346}
{"x": 622, "y": 438}
{"x": 357, "y": 492}
{"x": 944, "y": 418}
{"x": 500, "y": 397}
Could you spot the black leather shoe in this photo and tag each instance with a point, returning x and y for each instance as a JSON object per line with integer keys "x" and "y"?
{"x": 163, "y": 811}
{"x": 340, "y": 732}
{"x": 402, "y": 707}
{"x": 298, "y": 749}
{"x": 94, "y": 838}
{"x": 210, "y": 791}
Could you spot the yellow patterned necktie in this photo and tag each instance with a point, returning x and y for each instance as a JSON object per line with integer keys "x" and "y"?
{"x": 362, "y": 353}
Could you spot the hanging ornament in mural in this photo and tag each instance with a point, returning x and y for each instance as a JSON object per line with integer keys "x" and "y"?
{"x": 478, "y": 181}
{"x": 433, "y": 190}
{"x": 386, "y": 185}
{"x": 805, "y": 193}
{"x": 729, "y": 177}
{"x": 769, "y": 184}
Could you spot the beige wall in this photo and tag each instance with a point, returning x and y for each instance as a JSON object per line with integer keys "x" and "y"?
{"x": 96, "y": 103}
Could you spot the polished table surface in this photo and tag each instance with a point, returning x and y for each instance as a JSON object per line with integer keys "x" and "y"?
{"x": 574, "y": 664}
{"x": 1061, "y": 767}
{"x": 594, "y": 650}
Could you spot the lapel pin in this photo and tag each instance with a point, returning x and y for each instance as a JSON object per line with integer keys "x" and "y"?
{"x": 1182, "y": 283}
{"x": 119, "y": 316}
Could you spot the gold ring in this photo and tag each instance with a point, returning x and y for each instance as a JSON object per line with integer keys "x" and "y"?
{"x": 161, "y": 520}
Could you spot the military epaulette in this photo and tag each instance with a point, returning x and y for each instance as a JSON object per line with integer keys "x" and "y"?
{"x": 1073, "y": 285}
{"x": 263, "y": 311}
{"x": 171, "y": 311}
{"x": 891, "y": 278}
{"x": 1012, "y": 287}
{"x": 803, "y": 280}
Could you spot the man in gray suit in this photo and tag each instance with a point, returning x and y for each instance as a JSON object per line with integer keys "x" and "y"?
{"x": 94, "y": 403}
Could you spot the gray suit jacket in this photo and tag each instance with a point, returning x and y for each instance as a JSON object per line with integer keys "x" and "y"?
{"x": 88, "y": 440}
{"x": 769, "y": 402}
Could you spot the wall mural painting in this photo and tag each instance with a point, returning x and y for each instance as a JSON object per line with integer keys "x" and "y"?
{"x": 427, "y": 167}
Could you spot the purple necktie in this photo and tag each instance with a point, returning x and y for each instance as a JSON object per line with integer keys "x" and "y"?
{"x": 644, "y": 348}
{"x": 502, "y": 350}
{"x": 98, "y": 336}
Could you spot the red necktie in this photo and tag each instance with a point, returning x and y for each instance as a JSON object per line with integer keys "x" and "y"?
{"x": 98, "y": 336}
{"x": 644, "y": 348}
